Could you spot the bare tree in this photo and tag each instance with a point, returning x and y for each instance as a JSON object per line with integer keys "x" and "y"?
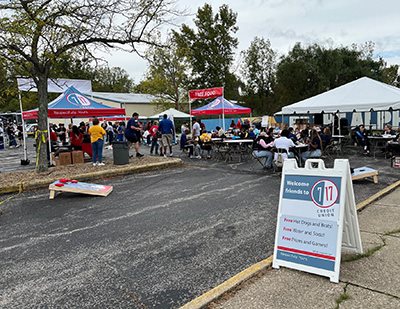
{"x": 35, "y": 33}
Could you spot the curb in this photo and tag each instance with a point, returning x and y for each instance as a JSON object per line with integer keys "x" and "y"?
{"x": 228, "y": 285}
{"x": 98, "y": 174}
{"x": 378, "y": 195}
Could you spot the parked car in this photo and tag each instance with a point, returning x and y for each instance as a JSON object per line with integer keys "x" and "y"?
{"x": 31, "y": 129}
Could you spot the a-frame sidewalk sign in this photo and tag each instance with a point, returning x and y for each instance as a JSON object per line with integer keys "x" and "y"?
{"x": 317, "y": 218}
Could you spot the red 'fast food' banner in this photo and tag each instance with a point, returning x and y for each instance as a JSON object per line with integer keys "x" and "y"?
{"x": 206, "y": 93}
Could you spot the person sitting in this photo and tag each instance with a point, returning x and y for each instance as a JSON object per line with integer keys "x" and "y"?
{"x": 304, "y": 137}
{"x": 314, "y": 146}
{"x": 256, "y": 130}
{"x": 393, "y": 147}
{"x": 220, "y": 132}
{"x": 262, "y": 147}
{"x": 76, "y": 138}
{"x": 194, "y": 148}
{"x": 284, "y": 143}
{"x": 184, "y": 139}
{"x": 387, "y": 130}
{"x": 205, "y": 143}
{"x": 362, "y": 138}
{"x": 326, "y": 137}
{"x": 251, "y": 134}
{"x": 243, "y": 134}
{"x": 292, "y": 136}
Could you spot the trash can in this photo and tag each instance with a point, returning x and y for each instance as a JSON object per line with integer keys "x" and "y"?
{"x": 120, "y": 153}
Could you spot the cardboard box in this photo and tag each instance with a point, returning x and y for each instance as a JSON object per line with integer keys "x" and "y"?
{"x": 55, "y": 159}
{"x": 65, "y": 158}
{"x": 77, "y": 157}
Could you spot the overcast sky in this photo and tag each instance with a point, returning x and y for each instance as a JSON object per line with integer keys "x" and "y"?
{"x": 285, "y": 22}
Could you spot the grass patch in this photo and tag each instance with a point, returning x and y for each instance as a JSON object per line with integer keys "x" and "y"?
{"x": 397, "y": 231}
{"x": 369, "y": 252}
{"x": 343, "y": 297}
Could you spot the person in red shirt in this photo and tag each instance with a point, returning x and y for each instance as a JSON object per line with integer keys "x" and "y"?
{"x": 53, "y": 136}
{"x": 154, "y": 138}
{"x": 76, "y": 138}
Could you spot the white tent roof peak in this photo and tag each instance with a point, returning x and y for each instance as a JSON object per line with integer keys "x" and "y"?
{"x": 171, "y": 111}
{"x": 361, "y": 95}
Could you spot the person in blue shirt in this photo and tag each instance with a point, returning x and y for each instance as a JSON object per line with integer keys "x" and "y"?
{"x": 166, "y": 128}
{"x": 133, "y": 133}
{"x": 292, "y": 136}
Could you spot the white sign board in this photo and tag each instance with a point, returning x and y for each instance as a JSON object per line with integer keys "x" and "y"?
{"x": 316, "y": 213}
{"x": 264, "y": 121}
{"x": 58, "y": 85}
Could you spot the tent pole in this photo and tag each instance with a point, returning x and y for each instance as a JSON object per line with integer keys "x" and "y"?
{"x": 49, "y": 141}
{"x": 23, "y": 127}
{"x": 190, "y": 113}
{"x": 223, "y": 111}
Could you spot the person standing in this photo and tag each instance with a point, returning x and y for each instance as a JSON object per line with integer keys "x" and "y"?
{"x": 184, "y": 127}
{"x": 133, "y": 133}
{"x": 76, "y": 138}
{"x": 196, "y": 129}
{"x": 166, "y": 128}
{"x": 110, "y": 133}
{"x": 154, "y": 138}
{"x": 97, "y": 139}
{"x": 120, "y": 131}
{"x": 62, "y": 133}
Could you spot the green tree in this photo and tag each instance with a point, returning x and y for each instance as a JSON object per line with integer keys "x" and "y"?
{"x": 258, "y": 70}
{"x": 36, "y": 33}
{"x": 8, "y": 89}
{"x": 308, "y": 71}
{"x": 166, "y": 76}
{"x": 111, "y": 80}
{"x": 209, "y": 48}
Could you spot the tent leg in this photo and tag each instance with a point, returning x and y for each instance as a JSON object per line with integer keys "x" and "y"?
{"x": 23, "y": 127}
{"x": 49, "y": 140}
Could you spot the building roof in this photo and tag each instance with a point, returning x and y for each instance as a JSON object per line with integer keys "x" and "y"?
{"x": 127, "y": 98}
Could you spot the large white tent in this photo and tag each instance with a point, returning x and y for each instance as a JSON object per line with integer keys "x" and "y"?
{"x": 362, "y": 95}
{"x": 171, "y": 112}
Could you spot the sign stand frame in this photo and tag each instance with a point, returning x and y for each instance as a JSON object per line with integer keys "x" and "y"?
{"x": 346, "y": 229}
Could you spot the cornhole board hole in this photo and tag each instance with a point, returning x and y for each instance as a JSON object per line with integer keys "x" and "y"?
{"x": 365, "y": 172}
{"x": 78, "y": 187}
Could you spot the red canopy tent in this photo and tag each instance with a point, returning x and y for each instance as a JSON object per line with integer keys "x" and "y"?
{"x": 221, "y": 106}
{"x": 73, "y": 104}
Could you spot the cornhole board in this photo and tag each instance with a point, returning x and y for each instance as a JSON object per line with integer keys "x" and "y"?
{"x": 365, "y": 172}
{"x": 79, "y": 187}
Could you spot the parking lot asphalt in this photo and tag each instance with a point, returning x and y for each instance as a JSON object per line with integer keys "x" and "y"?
{"x": 159, "y": 240}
